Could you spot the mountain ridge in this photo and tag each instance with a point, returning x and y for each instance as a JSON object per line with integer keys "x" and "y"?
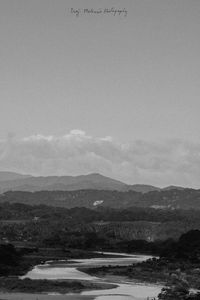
{"x": 19, "y": 182}
{"x": 187, "y": 199}
{"x": 7, "y": 176}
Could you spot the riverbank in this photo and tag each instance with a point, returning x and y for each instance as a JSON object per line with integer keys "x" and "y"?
{"x": 26, "y": 259}
{"x": 39, "y": 256}
{"x": 154, "y": 271}
{"x": 62, "y": 278}
{"x": 15, "y": 285}
{"x": 118, "y": 272}
{"x": 27, "y": 296}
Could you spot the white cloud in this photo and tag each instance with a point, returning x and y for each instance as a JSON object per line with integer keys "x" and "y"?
{"x": 159, "y": 163}
{"x": 77, "y": 132}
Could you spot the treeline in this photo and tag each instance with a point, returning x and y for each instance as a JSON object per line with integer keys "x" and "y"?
{"x": 168, "y": 199}
{"x": 11, "y": 259}
{"x": 187, "y": 248}
{"x": 49, "y": 225}
{"x": 20, "y": 211}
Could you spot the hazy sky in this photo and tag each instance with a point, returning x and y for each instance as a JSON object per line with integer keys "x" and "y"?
{"x": 129, "y": 85}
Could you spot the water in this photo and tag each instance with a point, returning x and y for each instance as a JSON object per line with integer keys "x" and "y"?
{"x": 52, "y": 273}
{"x": 125, "y": 290}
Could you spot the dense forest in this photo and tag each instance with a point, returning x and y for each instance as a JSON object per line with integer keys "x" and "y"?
{"x": 105, "y": 228}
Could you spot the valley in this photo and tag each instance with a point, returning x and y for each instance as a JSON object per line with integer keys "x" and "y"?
{"x": 78, "y": 226}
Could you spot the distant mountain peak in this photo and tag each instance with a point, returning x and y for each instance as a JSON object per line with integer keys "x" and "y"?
{"x": 143, "y": 188}
{"x": 7, "y": 176}
{"x": 96, "y": 181}
{"x": 173, "y": 187}
{"x": 90, "y": 181}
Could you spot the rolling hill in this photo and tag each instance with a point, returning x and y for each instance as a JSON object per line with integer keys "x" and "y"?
{"x": 8, "y": 176}
{"x": 186, "y": 199}
{"x": 10, "y": 181}
{"x": 95, "y": 181}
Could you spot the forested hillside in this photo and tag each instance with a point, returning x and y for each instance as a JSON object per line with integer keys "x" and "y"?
{"x": 168, "y": 199}
{"x": 41, "y": 224}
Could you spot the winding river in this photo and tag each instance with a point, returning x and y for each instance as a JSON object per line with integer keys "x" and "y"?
{"x": 69, "y": 270}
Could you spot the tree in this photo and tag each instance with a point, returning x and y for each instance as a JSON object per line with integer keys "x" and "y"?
{"x": 177, "y": 290}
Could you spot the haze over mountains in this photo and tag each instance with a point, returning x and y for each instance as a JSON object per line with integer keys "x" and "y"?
{"x": 12, "y": 176}
{"x": 92, "y": 191}
{"x": 18, "y": 182}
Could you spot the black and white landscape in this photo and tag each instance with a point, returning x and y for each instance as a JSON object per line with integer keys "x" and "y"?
{"x": 99, "y": 150}
{"x": 14, "y": 181}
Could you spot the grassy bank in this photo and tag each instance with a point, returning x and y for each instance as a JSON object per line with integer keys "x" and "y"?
{"x": 42, "y": 286}
{"x": 154, "y": 271}
{"x": 15, "y": 262}
{"x": 26, "y": 258}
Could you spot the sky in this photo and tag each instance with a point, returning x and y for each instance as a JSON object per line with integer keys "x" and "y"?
{"x": 113, "y": 94}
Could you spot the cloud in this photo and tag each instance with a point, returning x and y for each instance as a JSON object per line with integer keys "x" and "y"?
{"x": 160, "y": 163}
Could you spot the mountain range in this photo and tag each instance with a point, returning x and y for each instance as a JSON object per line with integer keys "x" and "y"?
{"x": 10, "y": 181}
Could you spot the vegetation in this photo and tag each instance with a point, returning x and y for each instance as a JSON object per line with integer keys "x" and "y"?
{"x": 33, "y": 234}
{"x": 37, "y": 286}
{"x": 178, "y": 268}
{"x": 165, "y": 199}
{"x": 111, "y": 228}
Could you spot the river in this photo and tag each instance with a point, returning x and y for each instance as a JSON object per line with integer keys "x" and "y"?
{"x": 125, "y": 289}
